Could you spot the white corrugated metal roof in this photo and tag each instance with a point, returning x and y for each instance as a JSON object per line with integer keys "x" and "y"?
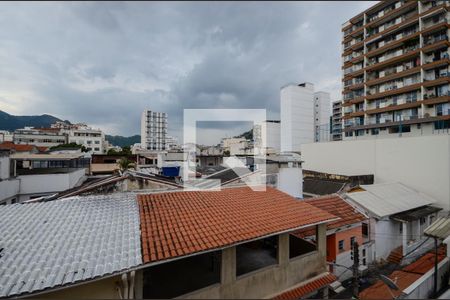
{"x": 439, "y": 229}
{"x": 61, "y": 242}
{"x": 386, "y": 199}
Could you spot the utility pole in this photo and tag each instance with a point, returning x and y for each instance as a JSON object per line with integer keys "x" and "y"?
{"x": 355, "y": 249}
{"x": 436, "y": 260}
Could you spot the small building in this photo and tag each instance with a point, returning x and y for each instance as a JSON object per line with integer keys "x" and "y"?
{"x": 233, "y": 243}
{"x": 341, "y": 234}
{"x": 35, "y": 175}
{"x": 398, "y": 217}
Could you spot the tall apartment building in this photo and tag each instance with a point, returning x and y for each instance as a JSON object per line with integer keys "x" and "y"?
{"x": 396, "y": 69}
{"x": 153, "y": 130}
{"x": 336, "y": 121}
{"x": 304, "y": 115}
{"x": 322, "y": 113}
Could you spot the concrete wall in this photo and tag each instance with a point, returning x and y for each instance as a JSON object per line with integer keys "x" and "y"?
{"x": 48, "y": 183}
{"x": 101, "y": 289}
{"x": 387, "y": 235}
{"x": 4, "y": 167}
{"x": 297, "y": 116}
{"x": 8, "y": 190}
{"x": 268, "y": 281}
{"x": 290, "y": 181}
{"x": 422, "y": 163}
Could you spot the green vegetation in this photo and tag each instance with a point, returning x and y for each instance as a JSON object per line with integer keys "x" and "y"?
{"x": 248, "y": 135}
{"x": 123, "y": 141}
{"x": 125, "y": 164}
{"x": 69, "y": 146}
{"x": 126, "y": 151}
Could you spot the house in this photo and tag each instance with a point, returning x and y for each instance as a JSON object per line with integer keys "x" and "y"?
{"x": 233, "y": 243}
{"x": 415, "y": 281}
{"x": 341, "y": 234}
{"x": 398, "y": 216}
{"x": 32, "y": 176}
{"x": 21, "y": 148}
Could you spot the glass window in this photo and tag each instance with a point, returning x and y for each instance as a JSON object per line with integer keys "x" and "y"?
{"x": 341, "y": 245}
{"x": 352, "y": 240}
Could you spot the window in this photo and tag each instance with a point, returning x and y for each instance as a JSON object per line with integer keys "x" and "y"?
{"x": 365, "y": 229}
{"x": 341, "y": 245}
{"x": 401, "y": 227}
{"x": 422, "y": 221}
{"x": 364, "y": 261}
{"x": 97, "y": 142}
{"x": 352, "y": 240}
{"x": 97, "y": 149}
{"x": 364, "y": 252}
{"x": 89, "y": 142}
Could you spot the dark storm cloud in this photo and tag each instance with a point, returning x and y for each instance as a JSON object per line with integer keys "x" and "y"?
{"x": 103, "y": 63}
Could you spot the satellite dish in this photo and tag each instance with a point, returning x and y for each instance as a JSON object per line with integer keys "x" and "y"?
{"x": 391, "y": 284}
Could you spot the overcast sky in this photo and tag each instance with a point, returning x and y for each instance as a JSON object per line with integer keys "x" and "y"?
{"x": 103, "y": 63}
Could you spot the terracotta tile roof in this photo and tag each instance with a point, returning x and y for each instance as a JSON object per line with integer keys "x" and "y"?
{"x": 16, "y": 147}
{"x": 307, "y": 288}
{"x": 337, "y": 206}
{"x": 403, "y": 278}
{"x": 175, "y": 224}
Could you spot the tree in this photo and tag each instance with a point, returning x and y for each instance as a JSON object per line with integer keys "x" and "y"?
{"x": 69, "y": 146}
{"x": 125, "y": 164}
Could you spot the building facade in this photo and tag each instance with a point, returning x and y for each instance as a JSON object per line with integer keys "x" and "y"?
{"x": 267, "y": 136}
{"x": 153, "y": 130}
{"x": 92, "y": 139}
{"x": 296, "y": 113}
{"x": 396, "y": 69}
{"x": 304, "y": 116}
{"x": 44, "y": 137}
{"x": 336, "y": 121}
{"x": 322, "y": 113}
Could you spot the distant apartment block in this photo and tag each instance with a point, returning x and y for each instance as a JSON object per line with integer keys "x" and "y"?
{"x": 396, "y": 69}
{"x": 153, "y": 130}
{"x": 336, "y": 121}
{"x": 42, "y": 137}
{"x": 303, "y": 115}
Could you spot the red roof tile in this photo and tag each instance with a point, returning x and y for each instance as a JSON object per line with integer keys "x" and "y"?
{"x": 16, "y": 147}
{"x": 204, "y": 220}
{"x": 307, "y": 288}
{"x": 403, "y": 278}
{"x": 337, "y": 206}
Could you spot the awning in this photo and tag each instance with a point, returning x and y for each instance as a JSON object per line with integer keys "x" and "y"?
{"x": 415, "y": 214}
{"x": 439, "y": 229}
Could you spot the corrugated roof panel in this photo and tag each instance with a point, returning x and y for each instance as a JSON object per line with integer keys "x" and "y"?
{"x": 386, "y": 199}
{"x": 439, "y": 229}
{"x": 61, "y": 242}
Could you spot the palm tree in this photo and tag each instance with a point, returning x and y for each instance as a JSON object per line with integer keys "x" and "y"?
{"x": 125, "y": 164}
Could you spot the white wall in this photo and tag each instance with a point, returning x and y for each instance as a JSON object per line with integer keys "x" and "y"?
{"x": 422, "y": 163}
{"x": 290, "y": 181}
{"x": 296, "y": 114}
{"x": 48, "y": 183}
{"x": 8, "y": 189}
{"x": 4, "y": 167}
{"x": 386, "y": 234}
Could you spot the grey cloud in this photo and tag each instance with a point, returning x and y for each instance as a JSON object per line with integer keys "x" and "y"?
{"x": 103, "y": 63}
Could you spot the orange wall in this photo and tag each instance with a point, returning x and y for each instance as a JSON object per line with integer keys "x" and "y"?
{"x": 333, "y": 241}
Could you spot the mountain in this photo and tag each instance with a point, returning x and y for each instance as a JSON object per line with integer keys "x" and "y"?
{"x": 247, "y": 135}
{"x": 11, "y": 122}
{"x": 121, "y": 141}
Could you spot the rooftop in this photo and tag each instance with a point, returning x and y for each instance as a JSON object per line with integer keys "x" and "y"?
{"x": 404, "y": 278}
{"x": 307, "y": 288}
{"x": 57, "y": 243}
{"x": 54, "y": 156}
{"x": 387, "y": 199}
{"x": 176, "y": 224}
{"x": 439, "y": 229}
{"x": 337, "y": 206}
